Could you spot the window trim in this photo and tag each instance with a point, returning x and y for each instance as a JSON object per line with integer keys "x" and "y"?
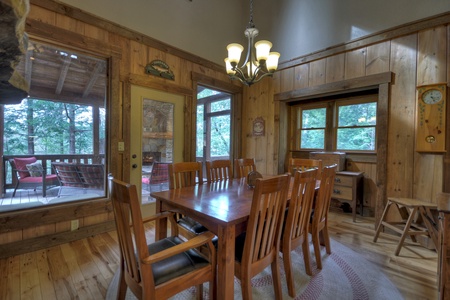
{"x": 299, "y": 128}
{"x": 330, "y": 143}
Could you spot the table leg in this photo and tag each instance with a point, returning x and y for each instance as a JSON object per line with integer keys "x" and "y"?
{"x": 225, "y": 262}
{"x": 160, "y": 224}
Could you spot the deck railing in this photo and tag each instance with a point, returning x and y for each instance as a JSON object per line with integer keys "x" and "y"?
{"x": 9, "y": 179}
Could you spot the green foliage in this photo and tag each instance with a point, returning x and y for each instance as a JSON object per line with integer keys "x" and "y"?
{"x": 355, "y": 127}
{"x": 219, "y": 124}
{"x": 47, "y": 127}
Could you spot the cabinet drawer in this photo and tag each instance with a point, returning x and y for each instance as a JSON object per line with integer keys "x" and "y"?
{"x": 343, "y": 180}
{"x": 342, "y": 192}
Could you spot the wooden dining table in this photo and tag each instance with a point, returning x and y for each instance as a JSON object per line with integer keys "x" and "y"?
{"x": 224, "y": 208}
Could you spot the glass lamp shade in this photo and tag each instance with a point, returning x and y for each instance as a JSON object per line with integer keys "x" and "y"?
{"x": 251, "y": 72}
{"x": 262, "y": 50}
{"x": 234, "y": 53}
{"x": 229, "y": 68}
{"x": 272, "y": 61}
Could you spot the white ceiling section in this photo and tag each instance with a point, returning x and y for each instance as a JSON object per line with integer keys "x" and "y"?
{"x": 296, "y": 27}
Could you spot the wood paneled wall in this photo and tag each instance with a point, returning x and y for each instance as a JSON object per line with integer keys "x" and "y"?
{"x": 416, "y": 54}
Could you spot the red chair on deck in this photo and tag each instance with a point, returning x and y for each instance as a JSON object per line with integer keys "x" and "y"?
{"x": 158, "y": 177}
{"x": 31, "y": 175}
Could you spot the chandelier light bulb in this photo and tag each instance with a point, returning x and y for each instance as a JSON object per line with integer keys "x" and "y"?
{"x": 262, "y": 50}
{"x": 234, "y": 53}
{"x": 229, "y": 67}
{"x": 272, "y": 61}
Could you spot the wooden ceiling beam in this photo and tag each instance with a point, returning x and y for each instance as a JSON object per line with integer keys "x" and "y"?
{"x": 99, "y": 67}
{"x": 63, "y": 74}
{"x": 68, "y": 97}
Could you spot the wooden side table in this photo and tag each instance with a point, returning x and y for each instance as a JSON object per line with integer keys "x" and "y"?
{"x": 409, "y": 209}
{"x": 348, "y": 188}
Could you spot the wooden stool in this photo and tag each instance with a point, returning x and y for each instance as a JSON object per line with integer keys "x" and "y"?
{"x": 408, "y": 209}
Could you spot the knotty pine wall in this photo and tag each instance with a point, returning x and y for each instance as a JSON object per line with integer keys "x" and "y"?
{"x": 418, "y": 57}
{"x": 416, "y": 54}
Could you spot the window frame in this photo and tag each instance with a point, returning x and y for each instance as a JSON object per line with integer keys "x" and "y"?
{"x": 352, "y": 101}
{"x": 299, "y": 128}
{"x": 208, "y": 115}
{"x": 332, "y": 105}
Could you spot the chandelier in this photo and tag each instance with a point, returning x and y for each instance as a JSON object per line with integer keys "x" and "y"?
{"x": 256, "y": 66}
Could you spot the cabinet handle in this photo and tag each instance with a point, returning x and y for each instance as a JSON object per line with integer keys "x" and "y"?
{"x": 338, "y": 180}
{"x": 336, "y": 192}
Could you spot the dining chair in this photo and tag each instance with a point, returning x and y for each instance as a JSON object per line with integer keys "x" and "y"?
{"x": 218, "y": 170}
{"x": 185, "y": 174}
{"x": 243, "y": 166}
{"x": 319, "y": 219}
{"x": 302, "y": 164}
{"x": 296, "y": 223}
{"x": 161, "y": 269}
{"x": 258, "y": 247}
{"x": 30, "y": 174}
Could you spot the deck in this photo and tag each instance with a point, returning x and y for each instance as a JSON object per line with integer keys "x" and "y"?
{"x": 27, "y": 198}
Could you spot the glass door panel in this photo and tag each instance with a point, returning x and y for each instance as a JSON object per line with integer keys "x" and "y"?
{"x": 157, "y": 134}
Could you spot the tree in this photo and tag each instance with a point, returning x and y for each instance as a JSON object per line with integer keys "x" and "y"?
{"x": 46, "y": 127}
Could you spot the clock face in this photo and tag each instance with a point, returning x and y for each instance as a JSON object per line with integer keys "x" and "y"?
{"x": 258, "y": 127}
{"x": 432, "y": 96}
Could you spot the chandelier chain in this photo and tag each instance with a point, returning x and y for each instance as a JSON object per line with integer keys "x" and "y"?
{"x": 250, "y": 23}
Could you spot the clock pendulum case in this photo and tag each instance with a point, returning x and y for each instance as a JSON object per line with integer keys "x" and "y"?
{"x": 430, "y": 117}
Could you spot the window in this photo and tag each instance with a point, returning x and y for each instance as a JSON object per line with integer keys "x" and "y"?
{"x": 63, "y": 120}
{"x": 355, "y": 128}
{"x": 213, "y": 124}
{"x": 344, "y": 124}
{"x": 312, "y": 128}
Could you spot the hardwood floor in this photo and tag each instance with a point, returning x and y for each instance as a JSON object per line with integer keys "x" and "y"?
{"x": 84, "y": 268}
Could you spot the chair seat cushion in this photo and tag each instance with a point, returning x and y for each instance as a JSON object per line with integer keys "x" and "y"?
{"x": 176, "y": 265}
{"x": 51, "y": 177}
{"x": 191, "y": 225}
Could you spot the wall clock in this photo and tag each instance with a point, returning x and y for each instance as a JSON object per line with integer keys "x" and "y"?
{"x": 430, "y": 120}
{"x": 259, "y": 127}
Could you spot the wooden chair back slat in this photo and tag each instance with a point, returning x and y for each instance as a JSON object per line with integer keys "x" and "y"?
{"x": 243, "y": 166}
{"x": 185, "y": 174}
{"x": 218, "y": 170}
{"x": 301, "y": 164}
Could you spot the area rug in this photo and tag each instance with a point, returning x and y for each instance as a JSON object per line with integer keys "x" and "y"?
{"x": 345, "y": 275}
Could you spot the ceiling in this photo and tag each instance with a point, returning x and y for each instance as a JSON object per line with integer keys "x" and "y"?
{"x": 62, "y": 75}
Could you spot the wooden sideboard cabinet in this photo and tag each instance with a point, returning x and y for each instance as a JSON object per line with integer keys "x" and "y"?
{"x": 348, "y": 187}
{"x": 443, "y": 248}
